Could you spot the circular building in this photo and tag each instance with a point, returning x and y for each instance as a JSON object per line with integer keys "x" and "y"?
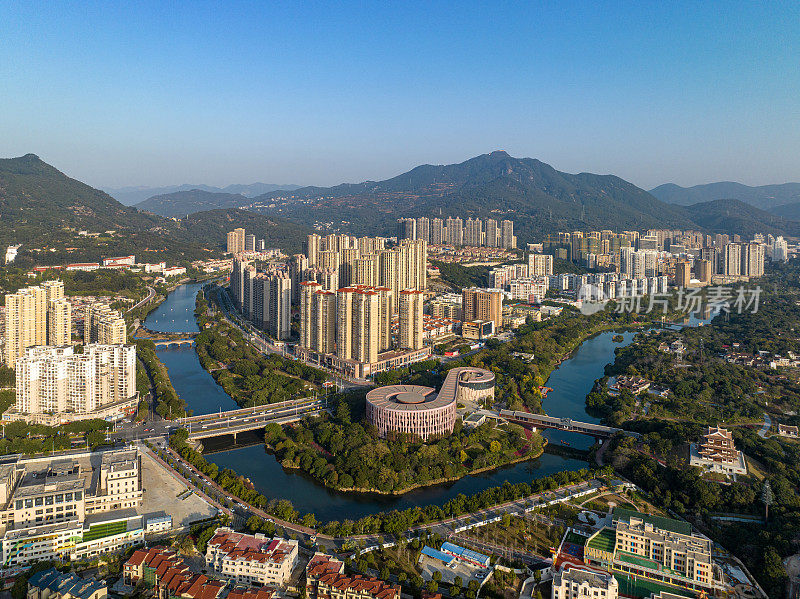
{"x": 419, "y": 410}
{"x": 410, "y": 409}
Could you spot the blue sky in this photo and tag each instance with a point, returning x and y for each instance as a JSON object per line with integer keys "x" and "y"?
{"x": 154, "y": 93}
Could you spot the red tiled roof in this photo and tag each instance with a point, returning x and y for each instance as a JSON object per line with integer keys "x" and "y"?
{"x": 361, "y": 584}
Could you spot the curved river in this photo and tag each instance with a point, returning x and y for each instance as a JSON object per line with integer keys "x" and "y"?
{"x": 571, "y": 381}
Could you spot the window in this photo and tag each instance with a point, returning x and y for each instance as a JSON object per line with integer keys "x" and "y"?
{"x": 39, "y": 501}
{"x": 48, "y": 500}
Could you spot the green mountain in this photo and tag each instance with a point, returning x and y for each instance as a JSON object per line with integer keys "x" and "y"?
{"x": 738, "y": 217}
{"x": 790, "y": 211}
{"x": 212, "y": 227}
{"x": 763, "y": 196}
{"x": 131, "y": 196}
{"x": 181, "y": 203}
{"x": 536, "y": 196}
{"x": 47, "y": 211}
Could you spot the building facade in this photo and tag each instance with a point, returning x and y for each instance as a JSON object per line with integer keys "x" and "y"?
{"x": 54, "y": 385}
{"x": 251, "y": 559}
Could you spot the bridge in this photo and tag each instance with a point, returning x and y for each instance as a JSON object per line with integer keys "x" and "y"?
{"x": 242, "y": 420}
{"x": 598, "y": 431}
{"x": 173, "y": 342}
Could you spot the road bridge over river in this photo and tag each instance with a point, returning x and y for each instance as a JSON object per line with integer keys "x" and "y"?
{"x": 540, "y": 421}
{"x": 233, "y": 422}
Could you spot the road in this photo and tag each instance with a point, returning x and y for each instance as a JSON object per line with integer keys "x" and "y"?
{"x": 266, "y": 346}
{"x": 151, "y": 294}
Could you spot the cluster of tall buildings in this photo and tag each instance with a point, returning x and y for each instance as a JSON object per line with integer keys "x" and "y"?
{"x": 473, "y": 232}
{"x": 263, "y": 297}
{"x": 684, "y": 255}
{"x": 348, "y": 290}
{"x": 240, "y": 241}
{"x": 53, "y": 383}
{"x": 351, "y": 328}
{"x": 36, "y": 315}
{"x": 338, "y": 261}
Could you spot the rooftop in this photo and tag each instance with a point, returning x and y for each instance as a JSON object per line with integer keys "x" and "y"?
{"x": 604, "y": 540}
{"x": 661, "y": 522}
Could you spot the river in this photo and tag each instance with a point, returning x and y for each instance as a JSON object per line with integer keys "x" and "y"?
{"x": 571, "y": 381}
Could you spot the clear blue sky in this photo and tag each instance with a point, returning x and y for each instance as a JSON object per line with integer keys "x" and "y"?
{"x": 154, "y": 93}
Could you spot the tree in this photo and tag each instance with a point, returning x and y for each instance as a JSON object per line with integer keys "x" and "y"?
{"x": 767, "y": 497}
{"x": 437, "y": 576}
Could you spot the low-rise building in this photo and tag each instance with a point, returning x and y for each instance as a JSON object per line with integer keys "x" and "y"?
{"x": 321, "y": 564}
{"x": 717, "y": 453}
{"x": 251, "y": 559}
{"x": 340, "y": 586}
{"x": 52, "y": 584}
{"x": 634, "y": 384}
{"x": 785, "y": 430}
{"x": 662, "y": 549}
{"x": 69, "y": 507}
{"x": 577, "y": 583}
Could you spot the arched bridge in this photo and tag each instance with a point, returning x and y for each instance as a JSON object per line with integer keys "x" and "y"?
{"x": 173, "y": 342}
{"x": 598, "y": 431}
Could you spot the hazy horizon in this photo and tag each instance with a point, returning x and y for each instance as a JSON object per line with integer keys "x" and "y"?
{"x": 155, "y": 96}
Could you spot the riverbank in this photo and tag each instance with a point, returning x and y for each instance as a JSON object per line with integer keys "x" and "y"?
{"x": 572, "y": 380}
{"x": 367, "y": 491}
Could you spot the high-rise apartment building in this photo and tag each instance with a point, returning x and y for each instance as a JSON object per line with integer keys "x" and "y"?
{"x": 540, "y": 265}
{"x": 753, "y": 258}
{"x": 54, "y": 381}
{"x": 366, "y": 326}
{"x": 473, "y": 232}
{"x": 437, "y": 232}
{"x": 424, "y": 229}
{"x": 482, "y": 304}
{"x": 406, "y": 228}
{"x": 312, "y": 248}
{"x": 59, "y": 322}
{"x": 703, "y": 270}
{"x": 411, "y": 320}
{"x": 731, "y": 259}
{"x": 236, "y": 240}
{"x": 683, "y": 273}
{"x": 455, "y": 231}
{"x": 366, "y": 270}
{"x": 36, "y": 316}
{"x": 249, "y": 242}
{"x": 492, "y": 233}
{"x": 103, "y": 325}
{"x": 279, "y": 323}
{"x": 508, "y": 240}
{"x": 298, "y": 267}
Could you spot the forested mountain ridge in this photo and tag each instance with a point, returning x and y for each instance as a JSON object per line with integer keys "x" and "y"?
{"x": 59, "y": 220}
{"x": 536, "y": 196}
{"x": 765, "y": 197}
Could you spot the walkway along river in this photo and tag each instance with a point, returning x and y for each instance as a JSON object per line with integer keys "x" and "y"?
{"x": 571, "y": 381}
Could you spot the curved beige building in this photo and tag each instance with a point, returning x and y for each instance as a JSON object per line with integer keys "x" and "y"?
{"x": 420, "y": 411}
